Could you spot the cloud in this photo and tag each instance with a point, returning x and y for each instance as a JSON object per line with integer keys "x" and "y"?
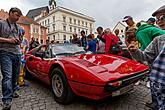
{"x": 105, "y": 12}
{"x": 108, "y": 12}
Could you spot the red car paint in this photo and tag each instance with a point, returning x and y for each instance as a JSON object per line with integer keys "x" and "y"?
{"x": 87, "y": 74}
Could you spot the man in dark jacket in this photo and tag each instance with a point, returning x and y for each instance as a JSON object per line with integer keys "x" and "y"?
{"x": 83, "y": 39}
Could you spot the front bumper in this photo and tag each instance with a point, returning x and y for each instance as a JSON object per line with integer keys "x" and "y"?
{"x": 109, "y": 87}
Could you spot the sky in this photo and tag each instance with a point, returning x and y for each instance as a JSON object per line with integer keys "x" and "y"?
{"x": 107, "y": 13}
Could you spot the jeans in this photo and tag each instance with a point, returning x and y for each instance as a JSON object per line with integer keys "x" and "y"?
{"x": 10, "y": 68}
{"x": 158, "y": 95}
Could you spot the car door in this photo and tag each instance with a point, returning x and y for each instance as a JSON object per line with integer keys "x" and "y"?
{"x": 32, "y": 64}
{"x": 43, "y": 63}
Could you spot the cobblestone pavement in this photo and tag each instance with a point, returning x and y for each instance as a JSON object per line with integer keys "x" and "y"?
{"x": 39, "y": 97}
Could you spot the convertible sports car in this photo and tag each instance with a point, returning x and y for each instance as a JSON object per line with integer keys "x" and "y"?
{"x": 71, "y": 71}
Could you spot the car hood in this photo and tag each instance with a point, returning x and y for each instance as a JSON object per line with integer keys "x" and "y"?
{"x": 108, "y": 67}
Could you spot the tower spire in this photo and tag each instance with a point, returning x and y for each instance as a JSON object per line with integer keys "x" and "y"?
{"x": 52, "y": 5}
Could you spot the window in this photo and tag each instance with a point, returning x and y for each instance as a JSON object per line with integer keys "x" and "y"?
{"x": 86, "y": 24}
{"x": 58, "y": 37}
{"x": 54, "y": 37}
{"x": 74, "y": 21}
{"x": 86, "y": 31}
{"x": 64, "y": 37}
{"x": 45, "y": 23}
{"x": 78, "y": 30}
{"x": 90, "y": 25}
{"x": 70, "y": 20}
{"x": 64, "y": 19}
{"x": 64, "y": 28}
{"x": 34, "y": 30}
{"x": 82, "y": 23}
{"x": 70, "y": 29}
{"x": 53, "y": 18}
{"x": 54, "y": 27}
{"x": 79, "y": 22}
{"x": 75, "y": 30}
{"x": 48, "y": 21}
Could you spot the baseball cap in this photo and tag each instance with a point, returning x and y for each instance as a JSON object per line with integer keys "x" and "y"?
{"x": 127, "y": 18}
{"x": 160, "y": 10}
{"x": 151, "y": 19}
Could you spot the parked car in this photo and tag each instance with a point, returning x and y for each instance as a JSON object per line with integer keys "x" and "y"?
{"x": 71, "y": 71}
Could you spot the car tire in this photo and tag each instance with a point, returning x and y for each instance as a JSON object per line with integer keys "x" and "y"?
{"x": 61, "y": 89}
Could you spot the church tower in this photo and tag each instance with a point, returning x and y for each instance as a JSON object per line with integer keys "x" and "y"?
{"x": 52, "y": 5}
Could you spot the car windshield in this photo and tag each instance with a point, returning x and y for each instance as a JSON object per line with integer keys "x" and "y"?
{"x": 67, "y": 49}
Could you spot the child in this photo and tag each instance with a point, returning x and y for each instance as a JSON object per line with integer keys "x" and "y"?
{"x": 91, "y": 44}
{"x": 24, "y": 48}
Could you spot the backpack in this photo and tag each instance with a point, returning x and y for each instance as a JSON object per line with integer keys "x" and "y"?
{"x": 115, "y": 48}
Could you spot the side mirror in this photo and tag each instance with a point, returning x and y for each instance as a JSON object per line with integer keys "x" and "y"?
{"x": 40, "y": 54}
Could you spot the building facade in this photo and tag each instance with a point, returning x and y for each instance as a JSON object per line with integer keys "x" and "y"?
{"x": 121, "y": 28}
{"x": 32, "y": 28}
{"x": 61, "y": 22}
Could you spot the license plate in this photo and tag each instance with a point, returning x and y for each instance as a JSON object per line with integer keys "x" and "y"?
{"x": 123, "y": 90}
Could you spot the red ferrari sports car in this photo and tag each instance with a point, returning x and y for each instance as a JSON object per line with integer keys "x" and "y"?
{"x": 71, "y": 71}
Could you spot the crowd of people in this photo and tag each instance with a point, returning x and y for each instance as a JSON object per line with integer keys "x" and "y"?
{"x": 100, "y": 44}
{"x": 145, "y": 41}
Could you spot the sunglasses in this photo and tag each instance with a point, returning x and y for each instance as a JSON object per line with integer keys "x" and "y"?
{"x": 161, "y": 18}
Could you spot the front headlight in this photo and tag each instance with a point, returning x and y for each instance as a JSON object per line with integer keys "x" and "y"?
{"x": 112, "y": 86}
{"x": 115, "y": 84}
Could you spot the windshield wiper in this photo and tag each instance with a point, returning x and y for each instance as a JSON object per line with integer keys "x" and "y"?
{"x": 80, "y": 52}
{"x": 65, "y": 53}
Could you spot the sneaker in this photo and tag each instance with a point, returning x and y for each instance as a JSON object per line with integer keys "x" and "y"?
{"x": 6, "y": 105}
{"x": 137, "y": 83}
{"x": 15, "y": 94}
{"x": 148, "y": 84}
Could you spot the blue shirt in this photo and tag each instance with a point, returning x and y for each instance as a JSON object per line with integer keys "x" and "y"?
{"x": 158, "y": 68}
{"x": 92, "y": 46}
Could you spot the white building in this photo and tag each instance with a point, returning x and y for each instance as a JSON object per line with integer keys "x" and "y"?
{"x": 119, "y": 26}
{"x": 61, "y": 22}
